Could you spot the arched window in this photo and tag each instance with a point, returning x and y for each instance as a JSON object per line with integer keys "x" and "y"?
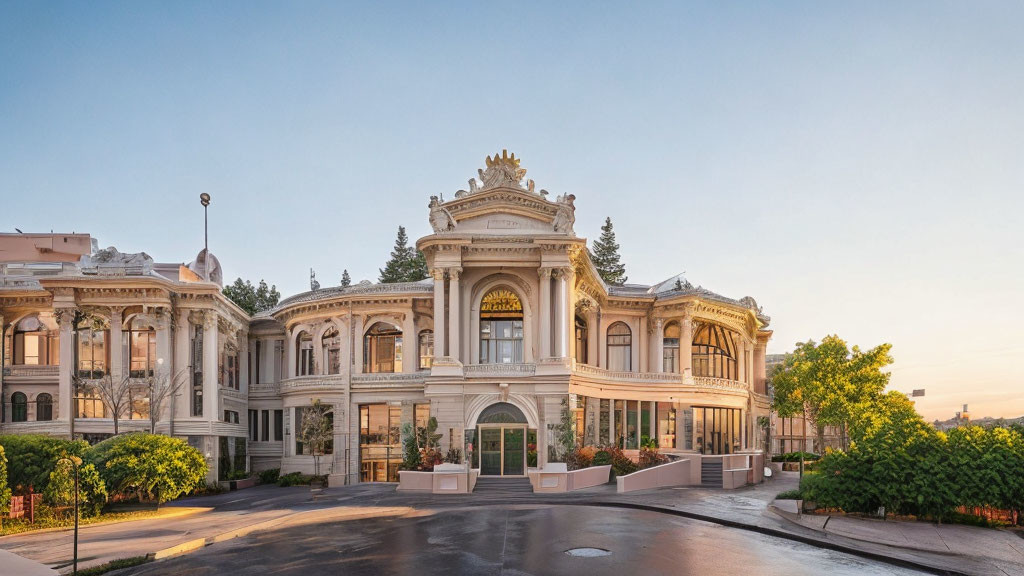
{"x": 620, "y": 347}
{"x": 44, "y": 407}
{"x": 142, "y": 349}
{"x": 501, "y": 328}
{"x": 581, "y": 340}
{"x": 19, "y": 407}
{"x": 382, "y": 349}
{"x": 426, "y": 349}
{"x": 331, "y": 342}
{"x": 670, "y": 346}
{"x": 93, "y": 349}
{"x": 36, "y": 342}
{"x": 714, "y": 354}
{"x": 304, "y": 354}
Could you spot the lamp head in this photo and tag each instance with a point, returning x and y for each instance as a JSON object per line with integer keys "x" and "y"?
{"x": 204, "y": 199}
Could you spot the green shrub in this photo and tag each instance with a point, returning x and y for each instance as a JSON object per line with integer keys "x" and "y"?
{"x": 270, "y": 476}
{"x": 789, "y": 495}
{"x": 650, "y": 457}
{"x": 795, "y": 457}
{"x": 149, "y": 466}
{"x": 5, "y": 491}
{"x": 92, "y": 492}
{"x": 31, "y": 457}
{"x": 294, "y": 479}
{"x": 602, "y": 458}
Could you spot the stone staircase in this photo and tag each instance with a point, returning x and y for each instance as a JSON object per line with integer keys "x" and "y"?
{"x": 500, "y": 485}
{"x": 711, "y": 473}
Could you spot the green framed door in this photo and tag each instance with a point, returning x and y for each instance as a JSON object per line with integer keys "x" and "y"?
{"x": 490, "y": 451}
{"x": 514, "y": 451}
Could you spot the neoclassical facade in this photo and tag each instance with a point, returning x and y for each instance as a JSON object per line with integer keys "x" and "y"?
{"x": 513, "y": 332}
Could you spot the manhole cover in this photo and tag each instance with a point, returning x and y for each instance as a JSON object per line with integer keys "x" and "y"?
{"x": 588, "y": 552}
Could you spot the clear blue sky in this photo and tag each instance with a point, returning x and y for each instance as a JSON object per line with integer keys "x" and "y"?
{"x": 856, "y": 168}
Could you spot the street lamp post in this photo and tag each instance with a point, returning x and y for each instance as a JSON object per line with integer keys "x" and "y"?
{"x": 204, "y": 199}
{"x": 75, "y": 461}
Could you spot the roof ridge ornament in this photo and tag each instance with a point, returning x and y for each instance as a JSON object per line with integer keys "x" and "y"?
{"x": 502, "y": 171}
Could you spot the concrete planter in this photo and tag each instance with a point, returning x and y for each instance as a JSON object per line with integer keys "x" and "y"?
{"x": 677, "y": 473}
{"x": 242, "y": 484}
{"x": 445, "y": 479}
{"x": 556, "y": 478}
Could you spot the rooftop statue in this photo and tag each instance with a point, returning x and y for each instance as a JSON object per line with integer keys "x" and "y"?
{"x": 440, "y": 219}
{"x": 501, "y": 171}
{"x": 110, "y": 261}
{"x": 566, "y": 215}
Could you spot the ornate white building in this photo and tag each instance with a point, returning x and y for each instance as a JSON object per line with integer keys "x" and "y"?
{"x": 513, "y": 327}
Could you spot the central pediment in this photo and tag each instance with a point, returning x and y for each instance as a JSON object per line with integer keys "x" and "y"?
{"x": 499, "y": 204}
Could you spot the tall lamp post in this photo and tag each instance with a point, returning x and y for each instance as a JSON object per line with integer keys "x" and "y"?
{"x": 75, "y": 462}
{"x": 204, "y": 199}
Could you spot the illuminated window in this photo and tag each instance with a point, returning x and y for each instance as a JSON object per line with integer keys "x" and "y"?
{"x": 670, "y": 356}
{"x": 426, "y": 349}
{"x": 713, "y": 352}
{"x": 141, "y": 349}
{"x": 36, "y": 343}
{"x": 501, "y": 328}
{"x": 93, "y": 352}
{"x": 382, "y": 349}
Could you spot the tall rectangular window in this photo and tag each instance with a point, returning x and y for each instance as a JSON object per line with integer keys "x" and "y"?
{"x": 265, "y": 426}
{"x": 253, "y": 425}
{"x": 278, "y": 425}
{"x": 197, "y": 373}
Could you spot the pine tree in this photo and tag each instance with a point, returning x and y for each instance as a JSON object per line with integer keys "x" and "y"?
{"x": 346, "y": 280}
{"x": 605, "y": 256}
{"x": 250, "y": 298}
{"x": 407, "y": 264}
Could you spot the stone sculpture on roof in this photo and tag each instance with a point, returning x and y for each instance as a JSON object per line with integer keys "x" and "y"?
{"x": 110, "y": 262}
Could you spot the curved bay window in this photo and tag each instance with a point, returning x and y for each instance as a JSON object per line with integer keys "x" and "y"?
{"x": 581, "y": 340}
{"x": 304, "y": 355}
{"x": 426, "y": 348}
{"x": 36, "y": 343}
{"x": 670, "y": 345}
{"x": 141, "y": 349}
{"x": 714, "y": 354}
{"x": 19, "y": 407}
{"x": 44, "y": 407}
{"x": 382, "y": 349}
{"x": 92, "y": 348}
{"x": 501, "y": 328}
{"x": 717, "y": 430}
{"x": 331, "y": 342}
{"x": 620, "y": 347}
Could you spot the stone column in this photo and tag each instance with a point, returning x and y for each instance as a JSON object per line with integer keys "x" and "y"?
{"x": 410, "y": 342}
{"x": 290, "y": 337}
{"x": 561, "y": 297}
{"x": 748, "y": 362}
{"x": 659, "y": 345}
{"x": 454, "y": 326}
{"x": 211, "y": 351}
{"x": 163, "y": 371}
{"x": 357, "y": 342}
{"x": 741, "y": 363}
{"x": 116, "y": 369}
{"x": 611, "y": 422}
{"x": 243, "y": 361}
{"x": 544, "y": 317}
{"x": 66, "y": 370}
{"x": 183, "y": 362}
{"x": 439, "y": 341}
{"x": 686, "y": 347}
{"x": 760, "y": 375}
{"x": 654, "y": 421}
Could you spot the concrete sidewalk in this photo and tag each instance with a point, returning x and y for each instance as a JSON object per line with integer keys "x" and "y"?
{"x": 1005, "y": 548}
{"x": 14, "y": 564}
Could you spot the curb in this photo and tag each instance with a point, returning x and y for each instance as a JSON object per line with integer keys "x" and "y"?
{"x": 176, "y": 514}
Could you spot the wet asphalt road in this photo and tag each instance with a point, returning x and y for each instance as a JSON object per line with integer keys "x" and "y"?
{"x": 515, "y": 540}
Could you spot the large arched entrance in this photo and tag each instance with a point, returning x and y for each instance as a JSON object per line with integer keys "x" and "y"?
{"x": 501, "y": 429}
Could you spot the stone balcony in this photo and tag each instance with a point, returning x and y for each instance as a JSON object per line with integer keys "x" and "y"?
{"x": 31, "y": 373}
{"x": 499, "y": 370}
{"x": 653, "y": 382}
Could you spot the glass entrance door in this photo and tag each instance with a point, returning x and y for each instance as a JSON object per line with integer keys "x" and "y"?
{"x": 490, "y": 451}
{"x": 513, "y": 455}
{"x": 502, "y": 450}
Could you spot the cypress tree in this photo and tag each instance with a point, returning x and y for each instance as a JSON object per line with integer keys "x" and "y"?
{"x": 605, "y": 256}
{"x": 346, "y": 280}
{"x": 407, "y": 264}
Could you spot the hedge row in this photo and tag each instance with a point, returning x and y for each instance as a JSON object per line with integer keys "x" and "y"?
{"x": 150, "y": 467}
{"x": 923, "y": 472}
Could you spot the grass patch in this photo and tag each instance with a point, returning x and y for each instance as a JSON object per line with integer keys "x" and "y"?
{"x": 19, "y": 525}
{"x": 115, "y": 565}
